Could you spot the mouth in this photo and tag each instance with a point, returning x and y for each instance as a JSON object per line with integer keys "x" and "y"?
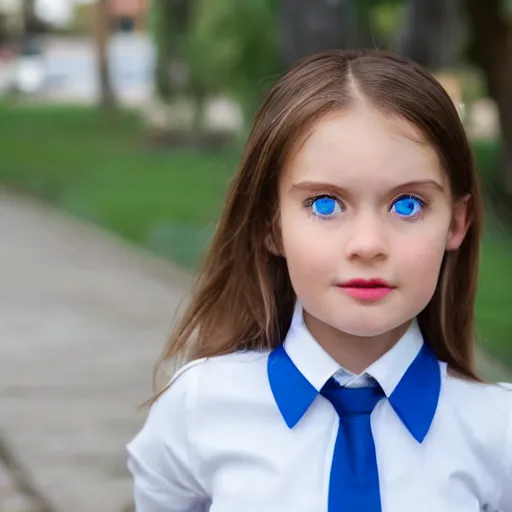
{"x": 366, "y": 290}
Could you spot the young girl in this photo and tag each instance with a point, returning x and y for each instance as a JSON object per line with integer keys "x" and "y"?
{"x": 329, "y": 340}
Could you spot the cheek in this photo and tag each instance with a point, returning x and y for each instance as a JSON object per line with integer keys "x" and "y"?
{"x": 308, "y": 251}
{"x": 308, "y": 259}
{"x": 420, "y": 262}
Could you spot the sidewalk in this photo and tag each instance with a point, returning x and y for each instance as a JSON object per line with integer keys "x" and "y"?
{"x": 82, "y": 320}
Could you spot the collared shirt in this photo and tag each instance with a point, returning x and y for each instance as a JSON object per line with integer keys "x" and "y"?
{"x": 250, "y": 432}
{"x": 348, "y": 379}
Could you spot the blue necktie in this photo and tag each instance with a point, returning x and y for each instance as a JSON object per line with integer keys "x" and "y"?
{"x": 354, "y": 481}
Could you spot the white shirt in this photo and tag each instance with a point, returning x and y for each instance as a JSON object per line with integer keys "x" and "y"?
{"x": 348, "y": 379}
{"x": 231, "y": 435}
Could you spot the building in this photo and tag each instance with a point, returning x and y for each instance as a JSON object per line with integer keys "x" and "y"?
{"x": 129, "y": 15}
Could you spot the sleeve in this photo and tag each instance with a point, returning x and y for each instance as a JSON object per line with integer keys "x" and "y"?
{"x": 505, "y": 504}
{"x": 160, "y": 458}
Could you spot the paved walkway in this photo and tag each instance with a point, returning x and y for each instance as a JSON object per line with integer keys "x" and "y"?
{"x": 82, "y": 320}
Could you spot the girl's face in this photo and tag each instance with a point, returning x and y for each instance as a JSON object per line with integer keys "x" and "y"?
{"x": 365, "y": 198}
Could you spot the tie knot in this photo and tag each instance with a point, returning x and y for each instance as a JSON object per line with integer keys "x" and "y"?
{"x": 351, "y": 401}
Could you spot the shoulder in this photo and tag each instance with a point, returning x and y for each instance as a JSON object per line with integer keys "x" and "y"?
{"x": 479, "y": 396}
{"x": 246, "y": 361}
{"x": 481, "y": 414}
{"x": 202, "y": 387}
{"x": 241, "y": 365}
{"x": 480, "y": 400}
{"x": 483, "y": 411}
{"x": 206, "y": 378}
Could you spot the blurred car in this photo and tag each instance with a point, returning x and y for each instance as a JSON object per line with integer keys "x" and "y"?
{"x": 30, "y": 70}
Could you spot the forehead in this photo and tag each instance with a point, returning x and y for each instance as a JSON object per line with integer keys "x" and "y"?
{"x": 363, "y": 146}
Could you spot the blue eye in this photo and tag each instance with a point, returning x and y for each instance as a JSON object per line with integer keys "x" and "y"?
{"x": 325, "y": 206}
{"x": 408, "y": 206}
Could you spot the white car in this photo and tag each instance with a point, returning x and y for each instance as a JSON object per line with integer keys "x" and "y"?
{"x": 29, "y": 69}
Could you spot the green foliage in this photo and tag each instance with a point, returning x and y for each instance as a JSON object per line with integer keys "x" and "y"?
{"x": 387, "y": 18}
{"x": 100, "y": 169}
{"x": 152, "y": 23}
{"x": 81, "y": 21}
{"x": 494, "y": 297}
{"x": 169, "y": 33}
{"x": 232, "y": 47}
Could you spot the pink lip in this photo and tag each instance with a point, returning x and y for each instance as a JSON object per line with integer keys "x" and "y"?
{"x": 368, "y": 290}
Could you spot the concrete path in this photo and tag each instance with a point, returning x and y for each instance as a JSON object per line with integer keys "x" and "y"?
{"x": 82, "y": 320}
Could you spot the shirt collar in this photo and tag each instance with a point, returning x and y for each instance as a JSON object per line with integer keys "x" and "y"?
{"x": 408, "y": 373}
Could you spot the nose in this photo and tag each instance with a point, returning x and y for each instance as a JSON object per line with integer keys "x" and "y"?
{"x": 367, "y": 239}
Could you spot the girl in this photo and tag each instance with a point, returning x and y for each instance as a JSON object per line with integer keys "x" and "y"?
{"x": 329, "y": 341}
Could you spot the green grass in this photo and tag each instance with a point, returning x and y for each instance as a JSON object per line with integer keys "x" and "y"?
{"x": 104, "y": 170}
{"x": 168, "y": 200}
{"x": 494, "y": 300}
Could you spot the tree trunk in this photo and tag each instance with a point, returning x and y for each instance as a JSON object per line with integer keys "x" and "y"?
{"x": 431, "y": 34}
{"x": 32, "y": 25}
{"x": 491, "y": 49}
{"x": 173, "y": 18}
{"x": 172, "y": 75}
{"x": 311, "y": 26}
{"x": 28, "y": 25}
{"x": 102, "y": 21}
{"x": 28, "y": 14}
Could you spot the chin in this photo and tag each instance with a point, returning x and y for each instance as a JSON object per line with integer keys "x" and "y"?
{"x": 366, "y": 331}
{"x": 366, "y": 325}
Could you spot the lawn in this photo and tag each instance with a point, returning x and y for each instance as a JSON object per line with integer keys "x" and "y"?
{"x": 168, "y": 200}
{"x": 105, "y": 171}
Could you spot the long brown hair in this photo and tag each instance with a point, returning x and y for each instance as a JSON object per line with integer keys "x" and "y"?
{"x": 243, "y": 298}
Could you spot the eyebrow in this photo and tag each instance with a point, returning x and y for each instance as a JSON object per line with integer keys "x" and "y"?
{"x": 319, "y": 185}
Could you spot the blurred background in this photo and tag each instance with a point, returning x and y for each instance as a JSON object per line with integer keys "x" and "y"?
{"x": 121, "y": 123}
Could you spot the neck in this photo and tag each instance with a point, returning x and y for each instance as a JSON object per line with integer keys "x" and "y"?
{"x": 354, "y": 353}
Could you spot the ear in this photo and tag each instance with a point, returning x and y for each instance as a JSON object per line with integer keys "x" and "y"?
{"x": 460, "y": 223}
{"x": 271, "y": 244}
